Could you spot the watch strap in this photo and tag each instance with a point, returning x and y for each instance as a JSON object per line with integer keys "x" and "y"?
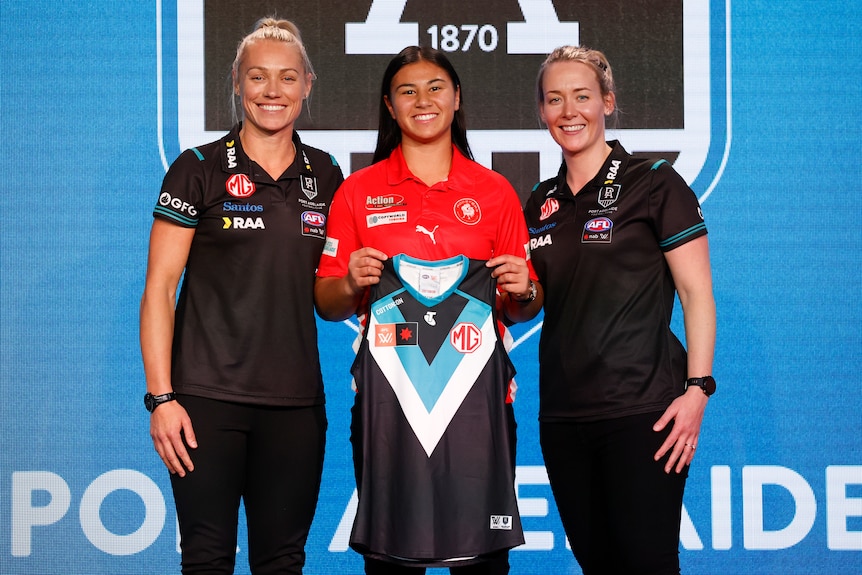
{"x": 531, "y": 296}
{"x": 151, "y": 402}
{"x": 705, "y": 383}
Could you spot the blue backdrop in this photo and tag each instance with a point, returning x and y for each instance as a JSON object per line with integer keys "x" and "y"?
{"x": 92, "y": 100}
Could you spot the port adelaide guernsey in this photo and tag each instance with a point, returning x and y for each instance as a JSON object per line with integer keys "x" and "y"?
{"x": 606, "y": 348}
{"x": 436, "y": 471}
{"x": 245, "y": 327}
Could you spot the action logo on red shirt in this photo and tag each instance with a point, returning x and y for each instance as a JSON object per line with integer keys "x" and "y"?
{"x": 239, "y": 186}
{"x": 467, "y": 211}
{"x": 383, "y": 202}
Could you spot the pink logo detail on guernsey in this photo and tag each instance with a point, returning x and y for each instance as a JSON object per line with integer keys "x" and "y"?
{"x": 550, "y": 206}
{"x": 239, "y": 186}
{"x": 467, "y": 211}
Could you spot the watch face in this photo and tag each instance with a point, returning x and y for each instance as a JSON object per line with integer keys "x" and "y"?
{"x": 709, "y": 385}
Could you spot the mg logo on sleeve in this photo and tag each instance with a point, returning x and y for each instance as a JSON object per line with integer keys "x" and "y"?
{"x": 670, "y": 60}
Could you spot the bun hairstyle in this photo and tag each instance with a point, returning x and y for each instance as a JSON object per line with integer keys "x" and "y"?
{"x": 271, "y": 28}
{"x": 592, "y": 58}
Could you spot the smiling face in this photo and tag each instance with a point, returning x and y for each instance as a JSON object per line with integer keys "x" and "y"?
{"x": 272, "y": 83}
{"x": 574, "y": 108}
{"x": 423, "y": 100}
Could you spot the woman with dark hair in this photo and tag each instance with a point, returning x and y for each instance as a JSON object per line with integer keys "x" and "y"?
{"x": 388, "y": 131}
{"x": 425, "y": 245}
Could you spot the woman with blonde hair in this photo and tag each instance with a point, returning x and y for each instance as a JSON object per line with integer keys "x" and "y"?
{"x": 234, "y": 385}
{"x": 621, "y": 400}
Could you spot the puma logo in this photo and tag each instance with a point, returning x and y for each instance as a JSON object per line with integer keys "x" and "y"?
{"x": 430, "y": 234}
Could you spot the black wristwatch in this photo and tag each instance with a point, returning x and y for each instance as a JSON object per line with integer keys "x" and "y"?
{"x": 151, "y": 402}
{"x": 531, "y": 296}
{"x": 706, "y": 383}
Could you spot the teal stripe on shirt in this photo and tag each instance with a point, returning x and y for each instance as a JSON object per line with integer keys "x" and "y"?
{"x": 175, "y": 216}
{"x": 682, "y": 235}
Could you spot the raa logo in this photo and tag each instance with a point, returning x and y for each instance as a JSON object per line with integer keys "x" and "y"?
{"x": 239, "y": 223}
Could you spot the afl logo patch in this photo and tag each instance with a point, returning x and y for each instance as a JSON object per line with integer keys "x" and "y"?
{"x": 467, "y": 211}
{"x": 598, "y": 230}
{"x": 314, "y": 224}
{"x": 598, "y": 225}
{"x": 239, "y": 186}
{"x": 550, "y": 206}
{"x": 315, "y": 219}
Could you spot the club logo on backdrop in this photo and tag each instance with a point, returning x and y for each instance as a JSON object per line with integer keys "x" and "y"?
{"x": 496, "y": 48}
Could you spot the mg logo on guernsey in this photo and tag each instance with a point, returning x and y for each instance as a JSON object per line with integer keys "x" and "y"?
{"x": 465, "y": 337}
{"x": 550, "y": 206}
{"x": 681, "y": 110}
{"x": 239, "y": 186}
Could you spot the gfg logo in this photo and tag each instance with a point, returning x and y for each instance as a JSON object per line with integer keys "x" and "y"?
{"x": 165, "y": 199}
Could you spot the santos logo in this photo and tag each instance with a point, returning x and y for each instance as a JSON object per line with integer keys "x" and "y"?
{"x": 41, "y": 499}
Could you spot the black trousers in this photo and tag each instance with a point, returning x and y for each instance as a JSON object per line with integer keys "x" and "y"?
{"x": 497, "y": 564}
{"x": 271, "y": 458}
{"x": 620, "y": 510}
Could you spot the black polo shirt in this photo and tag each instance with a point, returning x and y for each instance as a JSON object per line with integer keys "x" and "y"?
{"x": 606, "y": 348}
{"x": 245, "y": 326}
